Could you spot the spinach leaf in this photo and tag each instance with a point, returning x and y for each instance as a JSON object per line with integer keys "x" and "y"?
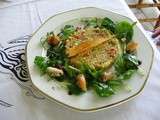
{"x": 41, "y": 63}
{"x": 70, "y": 72}
{"x": 102, "y": 89}
{"x": 131, "y": 61}
{"x": 126, "y": 62}
{"x": 60, "y": 78}
{"x": 124, "y": 30}
{"x": 67, "y": 31}
{"x": 108, "y": 24}
{"x": 74, "y": 89}
{"x": 120, "y": 64}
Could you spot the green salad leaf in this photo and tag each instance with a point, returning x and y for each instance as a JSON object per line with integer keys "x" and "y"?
{"x": 108, "y": 24}
{"x": 41, "y": 63}
{"x": 132, "y": 61}
{"x": 93, "y": 77}
{"x": 74, "y": 89}
{"x": 126, "y": 62}
{"x": 102, "y": 89}
{"x": 70, "y": 72}
{"x": 56, "y": 54}
{"x": 120, "y": 64}
{"x": 91, "y": 22}
{"x": 67, "y": 31}
{"x": 124, "y": 30}
{"x": 93, "y": 72}
{"x": 115, "y": 84}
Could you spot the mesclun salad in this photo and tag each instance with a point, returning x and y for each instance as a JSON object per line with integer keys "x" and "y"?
{"x": 99, "y": 55}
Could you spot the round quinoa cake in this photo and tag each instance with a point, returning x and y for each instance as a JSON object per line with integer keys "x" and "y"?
{"x": 93, "y": 46}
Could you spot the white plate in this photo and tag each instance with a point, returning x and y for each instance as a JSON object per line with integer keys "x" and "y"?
{"x": 88, "y": 101}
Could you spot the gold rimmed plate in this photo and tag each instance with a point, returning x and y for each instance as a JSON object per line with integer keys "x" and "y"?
{"x": 88, "y": 101}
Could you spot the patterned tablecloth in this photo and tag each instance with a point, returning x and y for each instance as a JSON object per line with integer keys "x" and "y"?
{"x": 19, "y": 101}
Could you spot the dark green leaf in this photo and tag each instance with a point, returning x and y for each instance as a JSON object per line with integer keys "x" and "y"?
{"x": 108, "y": 24}
{"x": 124, "y": 30}
{"x": 56, "y": 55}
{"x": 120, "y": 64}
{"x": 60, "y": 79}
{"x": 74, "y": 89}
{"x": 131, "y": 61}
{"x": 126, "y": 62}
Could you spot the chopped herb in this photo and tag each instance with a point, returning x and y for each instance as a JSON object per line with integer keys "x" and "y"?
{"x": 56, "y": 55}
{"x": 67, "y": 31}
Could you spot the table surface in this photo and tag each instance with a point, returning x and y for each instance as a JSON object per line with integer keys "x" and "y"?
{"x": 19, "y": 101}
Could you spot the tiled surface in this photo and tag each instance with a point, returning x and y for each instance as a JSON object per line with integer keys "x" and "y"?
{"x": 145, "y": 13}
